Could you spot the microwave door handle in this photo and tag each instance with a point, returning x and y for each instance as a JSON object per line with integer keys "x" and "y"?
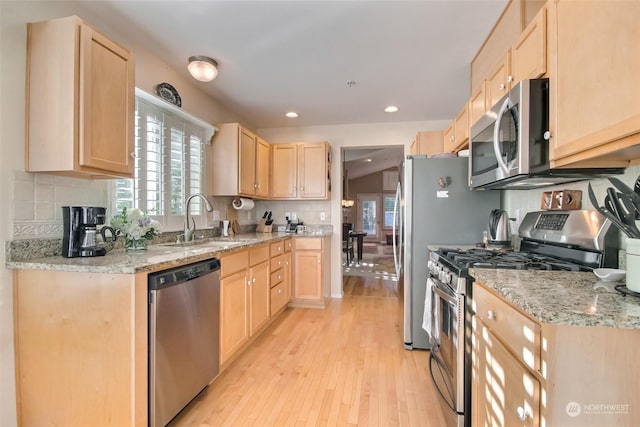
{"x": 496, "y": 131}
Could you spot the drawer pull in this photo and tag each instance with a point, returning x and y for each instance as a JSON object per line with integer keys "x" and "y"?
{"x": 491, "y": 315}
{"x": 523, "y": 415}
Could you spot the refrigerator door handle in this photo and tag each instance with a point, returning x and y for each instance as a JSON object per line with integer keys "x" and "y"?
{"x": 396, "y": 217}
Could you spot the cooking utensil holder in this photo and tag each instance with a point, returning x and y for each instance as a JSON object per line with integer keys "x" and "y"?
{"x": 633, "y": 265}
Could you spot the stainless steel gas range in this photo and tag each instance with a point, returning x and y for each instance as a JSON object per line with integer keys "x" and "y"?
{"x": 578, "y": 240}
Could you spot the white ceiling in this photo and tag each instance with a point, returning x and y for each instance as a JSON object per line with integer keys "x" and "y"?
{"x": 277, "y": 56}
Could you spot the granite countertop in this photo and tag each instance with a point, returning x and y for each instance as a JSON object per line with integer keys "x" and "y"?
{"x": 564, "y": 298}
{"x": 156, "y": 257}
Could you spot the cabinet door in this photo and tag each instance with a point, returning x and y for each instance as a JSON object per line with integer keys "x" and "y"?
{"x": 247, "y": 163}
{"x": 499, "y": 81}
{"x": 106, "y": 104}
{"x": 260, "y": 294}
{"x": 307, "y": 276}
{"x": 263, "y": 166}
{"x": 507, "y": 393}
{"x": 478, "y": 104}
{"x": 594, "y": 101}
{"x": 461, "y": 129}
{"x": 283, "y": 171}
{"x": 287, "y": 276}
{"x": 234, "y": 327}
{"x": 449, "y": 142}
{"x": 312, "y": 170}
{"x": 427, "y": 142}
{"x": 529, "y": 59}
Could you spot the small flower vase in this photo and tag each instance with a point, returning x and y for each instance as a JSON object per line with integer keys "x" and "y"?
{"x": 135, "y": 245}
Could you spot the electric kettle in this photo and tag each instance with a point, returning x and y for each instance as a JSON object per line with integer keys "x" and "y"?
{"x": 499, "y": 228}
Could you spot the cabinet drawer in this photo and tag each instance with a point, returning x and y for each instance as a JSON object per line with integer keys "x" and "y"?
{"x": 233, "y": 263}
{"x": 277, "y": 277}
{"x": 518, "y": 332}
{"x": 258, "y": 254}
{"x": 276, "y": 248}
{"x": 277, "y": 262}
{"x": 310, "y": 243}
{"x": 278, "y": 298}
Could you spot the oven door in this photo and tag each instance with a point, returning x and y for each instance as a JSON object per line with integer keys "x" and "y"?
{"x": 446, "y": 358}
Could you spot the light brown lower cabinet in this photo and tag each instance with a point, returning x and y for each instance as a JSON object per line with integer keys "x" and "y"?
{"x": 310, "y": 272}
{"x": 81, "y": 348}
{"x": 529, "y": 373}
{"x": 244, "y": 298}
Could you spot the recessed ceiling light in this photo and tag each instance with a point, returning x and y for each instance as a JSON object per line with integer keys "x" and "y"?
{"x": 368, "y": 160}
{"x": 391, "y": 109}
{"x": 292, "y": 114}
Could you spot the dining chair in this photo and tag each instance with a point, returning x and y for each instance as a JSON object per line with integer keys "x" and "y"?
{"x": 347, "y": 241}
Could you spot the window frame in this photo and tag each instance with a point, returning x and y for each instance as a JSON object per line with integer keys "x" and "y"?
{"x": 173, "y": 118}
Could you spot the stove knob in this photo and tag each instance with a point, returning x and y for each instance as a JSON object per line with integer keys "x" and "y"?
{"x": 430, "y": 265}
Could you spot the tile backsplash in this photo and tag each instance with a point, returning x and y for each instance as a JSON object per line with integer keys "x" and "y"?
{"x": 38, "y": 198}
{"x": 519, "y": 202}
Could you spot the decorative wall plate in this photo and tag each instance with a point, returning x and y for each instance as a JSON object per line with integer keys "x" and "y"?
{"x": 169, "y": 94}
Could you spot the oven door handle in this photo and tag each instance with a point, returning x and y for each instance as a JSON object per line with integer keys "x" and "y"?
{"x": 445, "y": 296}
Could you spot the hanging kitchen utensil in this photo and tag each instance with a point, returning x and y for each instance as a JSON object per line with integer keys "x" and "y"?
{"x": 611, "y": 203}
{"x": 628, "y": 213}
{"x": 608, "y": 214}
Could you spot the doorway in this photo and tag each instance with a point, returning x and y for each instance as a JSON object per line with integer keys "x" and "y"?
{"x": 365, "y": 171}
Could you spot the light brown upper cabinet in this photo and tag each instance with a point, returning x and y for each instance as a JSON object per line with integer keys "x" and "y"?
{"x": 301, "y": 171}
{"x": 457, "y": 134}
{"x": 240, "y": 163}
{"x": 478, "y": 104}
{"x": 449, "y": 139}
{"x": 499, "y": 80}
{"x": 80, "y": 101}
{"x": 529, "y": 53}
{"x": 594, "y": 69}
{"x": 427, "y": 142}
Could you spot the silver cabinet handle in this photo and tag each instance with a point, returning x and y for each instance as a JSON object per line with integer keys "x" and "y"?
{"x": 132, "y": 154}
{"x": 279, "y": 277}
{"x": 491, "y": 315}
{"x": 509, "y": 79}
{"x": 249, "y": 282}
{"x": 523, "y": 415}
{"x": 254, "y": 280}
{"x": 502, "y": 86}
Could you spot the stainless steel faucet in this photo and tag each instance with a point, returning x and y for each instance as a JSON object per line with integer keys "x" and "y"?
{"x": 190, "y": 229}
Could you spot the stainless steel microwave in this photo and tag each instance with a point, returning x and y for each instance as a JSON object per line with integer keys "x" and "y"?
{"x": 509, "y": 144}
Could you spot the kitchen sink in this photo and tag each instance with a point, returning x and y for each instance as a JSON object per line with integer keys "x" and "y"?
{"x": 210, "y": 242}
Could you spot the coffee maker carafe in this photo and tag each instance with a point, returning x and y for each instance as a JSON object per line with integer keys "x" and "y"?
{"x": 80, "y": 229}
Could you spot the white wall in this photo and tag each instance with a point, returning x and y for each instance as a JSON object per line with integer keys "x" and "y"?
{"x": 31, "y": 201}
{"x": 346, "y": 136}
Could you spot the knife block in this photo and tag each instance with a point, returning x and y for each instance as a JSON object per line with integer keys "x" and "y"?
{"x": 262, "y": 228}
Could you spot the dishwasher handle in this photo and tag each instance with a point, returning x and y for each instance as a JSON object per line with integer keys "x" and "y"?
{"x": 184, "y": 273}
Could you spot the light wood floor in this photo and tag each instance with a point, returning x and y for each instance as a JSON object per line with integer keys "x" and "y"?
{"x": 341, "y": 366}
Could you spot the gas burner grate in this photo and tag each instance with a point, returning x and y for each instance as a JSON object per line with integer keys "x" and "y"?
{"x": 505, "y": 259}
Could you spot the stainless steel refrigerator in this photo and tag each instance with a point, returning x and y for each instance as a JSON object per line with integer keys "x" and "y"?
{"x": 434, "y": 206}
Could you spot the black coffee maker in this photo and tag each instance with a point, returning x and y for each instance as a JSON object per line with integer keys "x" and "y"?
{"x": 80, "y": 229}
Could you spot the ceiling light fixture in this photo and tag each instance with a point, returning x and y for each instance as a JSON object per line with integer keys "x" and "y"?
{"x": 202, "y": 68}
{"x": 292, "y": 114}
{"x": 391, "y": 109}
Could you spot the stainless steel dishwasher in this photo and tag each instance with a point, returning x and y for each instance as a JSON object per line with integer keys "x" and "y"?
{"x": 184, "y": 307}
